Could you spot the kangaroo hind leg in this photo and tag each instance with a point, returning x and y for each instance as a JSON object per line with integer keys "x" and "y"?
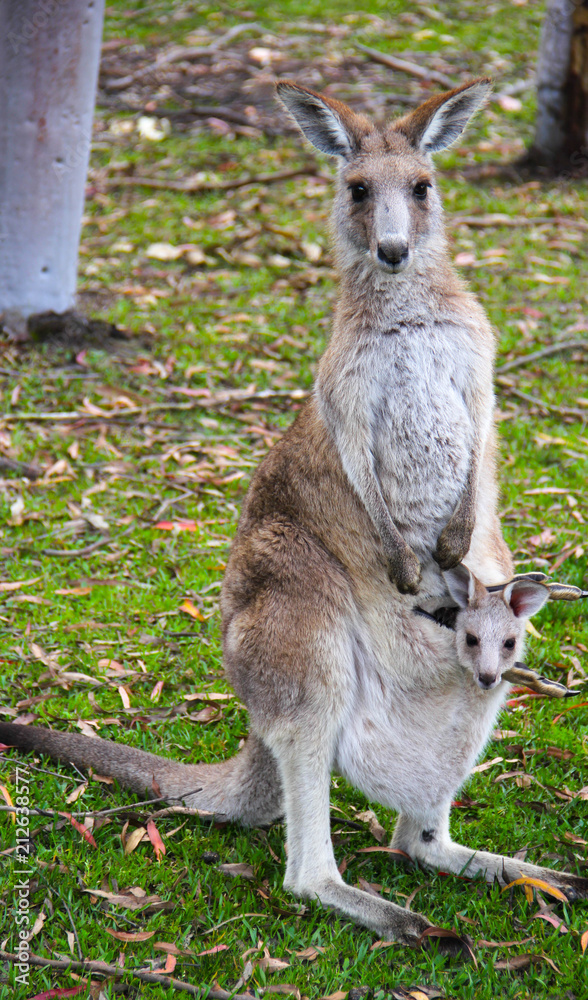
{"x": 430, "y": 843}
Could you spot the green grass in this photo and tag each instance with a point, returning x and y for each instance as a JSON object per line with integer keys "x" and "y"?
{"x": 228, "y": 324}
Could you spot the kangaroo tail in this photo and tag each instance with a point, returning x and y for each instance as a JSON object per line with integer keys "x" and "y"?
{"x": 246, "y": 788}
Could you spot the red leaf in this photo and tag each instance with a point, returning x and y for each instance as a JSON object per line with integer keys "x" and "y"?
{"x": 177, "y": 525}
{"x": 212, "y": 951}
{"x": 81, "y": 829}
{"x": 154, "y": 837}
{"x": 68, "y": 992}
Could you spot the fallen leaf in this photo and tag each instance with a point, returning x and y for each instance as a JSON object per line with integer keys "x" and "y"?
{"x": 80, "y": 828}
{"x": 6, "y": 796}
{"x": 155, "y": 838}
{"x": 38, "y": 925}
{"x": 134, "y": 839}
{"x": 192, "y": 610}
{"x": 445, "y": 932}
{"x": 212, "y": 951}
{"x": 584, "y": 941}
{"x": 177, "y": 525}
{"x": 129, "y": 902}
{"x": 509, "y": 103}
{"x": 486, "y": 765}
{"x": 74, "y": 796}
{"x": 538, "y": 883}
{"x": 238, "y": 869}
{"x": 68, "y": 991}
{"x": 9, "y": 585}
{"x": 552, "y": 919}
{"x": 375, "y": 827}
{"x": 285, "y": 989}
{"x": 130, "y": 935}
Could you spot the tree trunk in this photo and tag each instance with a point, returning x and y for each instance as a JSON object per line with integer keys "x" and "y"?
{"x": 49, "y": 57}
{"x": 561, "y": 136}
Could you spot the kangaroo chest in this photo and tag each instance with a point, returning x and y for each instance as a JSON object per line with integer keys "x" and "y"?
{"x": 415, "y": 386}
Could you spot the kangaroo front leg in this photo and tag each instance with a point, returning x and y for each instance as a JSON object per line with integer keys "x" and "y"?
{"x": 311, "y": 870}
{"x": 454, "y": 541}
{"x": 431, "y": 844}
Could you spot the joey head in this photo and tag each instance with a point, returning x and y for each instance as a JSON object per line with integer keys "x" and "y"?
{"x": 490, "y": 627}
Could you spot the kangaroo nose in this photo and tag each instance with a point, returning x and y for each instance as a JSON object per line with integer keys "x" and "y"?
{"x": 486, "y": 681}
{"x": 393, "y": 250}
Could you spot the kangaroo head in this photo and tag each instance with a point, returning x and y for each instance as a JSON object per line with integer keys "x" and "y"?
{"x": 387, "y": 211}
{"x": 490, "y": 627}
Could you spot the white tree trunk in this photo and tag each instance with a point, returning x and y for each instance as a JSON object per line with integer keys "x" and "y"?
{"x": 49, "y": 57}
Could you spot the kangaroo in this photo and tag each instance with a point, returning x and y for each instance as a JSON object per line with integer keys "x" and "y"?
{"x": 385, "y": 478}
{"x": 490, "y": 627}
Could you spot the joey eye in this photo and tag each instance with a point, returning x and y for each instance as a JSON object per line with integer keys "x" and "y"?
{"x": 509, "y": 643}
{"x": 471, "y": 640}
{"x": 420, "y": 190}
{"x": 359, "y": 192}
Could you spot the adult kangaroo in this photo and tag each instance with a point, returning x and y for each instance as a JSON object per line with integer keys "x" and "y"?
{"x": 386, "y": 478}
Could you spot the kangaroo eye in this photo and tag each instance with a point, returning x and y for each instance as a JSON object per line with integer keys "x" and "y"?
{"x": 359, "y": 192}
{"x": 509, "y": 643}
{"x": 420, "y": 190}
{"x": 471, "y": 639}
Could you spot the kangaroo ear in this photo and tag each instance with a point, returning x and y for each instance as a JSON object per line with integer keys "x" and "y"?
{"x": 461, "y": 585}
{"x": 330, "y": 125}
{"x": 441, "y": 120}
{"x": 524, "y": 597}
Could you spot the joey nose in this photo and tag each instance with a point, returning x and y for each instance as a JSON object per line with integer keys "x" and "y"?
{"x": 393, "y": 252}
{"x": 487, "y": 681}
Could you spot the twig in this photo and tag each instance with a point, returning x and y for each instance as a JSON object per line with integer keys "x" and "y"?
{"x": 406, "y": 67}
{"x": 500, "y": 219}
{"x": 181, "y": 811}
{"x": 230, "y": 921}
{"x": 563, "y": 411}
{"x": 545, "y": 352}
{"x": 192, "y": 184}
{"x": 76, "y": 553}
{"x": 207, "y": 402}
{"x": 71, "y": 920}
{"x": 177, "y": 54}
{"x": 111, "y": 970}
{"x": 10, "y": 465}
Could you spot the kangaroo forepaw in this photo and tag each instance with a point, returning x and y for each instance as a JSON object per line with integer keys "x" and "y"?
{"x": 453, "y": 544}
{"x": 404, "y": 570}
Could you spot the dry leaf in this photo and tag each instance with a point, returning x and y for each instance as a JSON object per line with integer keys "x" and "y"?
{"x": 212, "y": 951}
{"x": 376, "y": 828}
{"x": 130, "y": 935}
{"x": 74, "y": 796}
{"x": 584, "y": 941}
{"x": 486, "y": 765}
{"x": 538, "y": 883}
{"x": 192, "y": 610}
{"x": 238, "y": 869}
{"x": 6, "y": 796}
{"x": 81, "y": 829}
{"x": 9, "y": 585}
{"x": 135, "y": 839}
{"x": 130, "y": 901}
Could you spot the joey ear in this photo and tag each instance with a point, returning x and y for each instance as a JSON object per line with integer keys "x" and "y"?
{"x": 524, "y": 597}
{"x": 461, "y": 584}
{"x": 438, "y": 122}
{"x": 329, "y": 125}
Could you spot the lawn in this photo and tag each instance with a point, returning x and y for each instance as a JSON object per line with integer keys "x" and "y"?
{"x": 205, "y": 241}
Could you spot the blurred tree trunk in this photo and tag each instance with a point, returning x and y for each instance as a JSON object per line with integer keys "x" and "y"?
{"x": 561, "y": 136}
{"x": 49, "y": 56}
